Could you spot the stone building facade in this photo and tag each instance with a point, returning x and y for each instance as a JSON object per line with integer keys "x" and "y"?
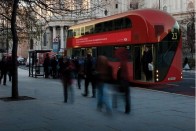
{"x": 57, "y": 28}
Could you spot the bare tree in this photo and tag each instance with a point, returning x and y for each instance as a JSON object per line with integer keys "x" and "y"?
{"x": 24, "y": 16}
{"x": 190, "y": 42}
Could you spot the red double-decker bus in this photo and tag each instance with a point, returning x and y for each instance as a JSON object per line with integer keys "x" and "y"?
{"x": 133, "y": 30}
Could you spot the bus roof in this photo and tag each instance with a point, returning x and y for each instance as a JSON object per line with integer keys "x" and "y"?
{"x": 148, "y": 14}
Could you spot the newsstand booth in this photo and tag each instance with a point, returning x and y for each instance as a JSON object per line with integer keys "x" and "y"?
{"x": 36, "y": 60}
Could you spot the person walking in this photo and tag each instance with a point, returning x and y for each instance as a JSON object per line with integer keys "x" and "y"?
{"x": 123, "y": 78}
{"x": 68, "y": 80}
{"x": 79, "y": 70}
{"x": 4, "y": 69}
{"x": 104, "y": 79}
{"x": 46, "y": 65}
{"x": 9, "y": 68}
{"x": 89, "y": 69}
{"x": 54, "y": 64}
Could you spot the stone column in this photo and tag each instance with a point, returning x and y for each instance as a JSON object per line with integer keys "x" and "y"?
{"x": 65, "y": 36}
{"x": 54, "y": 32}
{"x": 62, "y": 37}
{"x": 48, "y": 38}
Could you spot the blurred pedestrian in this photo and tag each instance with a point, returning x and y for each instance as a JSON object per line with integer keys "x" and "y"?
{"x": 68, "y": 80}
{"x": 88, "y": 70}
{"x": 46, "y": 65}
{"x": 9, "y": 68}
{"x": 104, "y": 80}
{"x": 4, "y": 69}
{"x": 123, "y": 77}
{"x": 54, "y": 64}
{"x": 80, "y": 70}
{"x": 60, "y": 67}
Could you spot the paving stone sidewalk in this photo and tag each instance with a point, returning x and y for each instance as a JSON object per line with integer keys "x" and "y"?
{"x": 151, "y": 110}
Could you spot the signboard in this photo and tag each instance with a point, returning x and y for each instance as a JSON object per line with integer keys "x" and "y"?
{"x": 114, "y": 37}
{"x": 55, "y": 47}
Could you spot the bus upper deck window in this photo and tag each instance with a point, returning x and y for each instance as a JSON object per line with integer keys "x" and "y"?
{"x": 108, "y": 25}
{"x": 117, "y": 24}
{"x": 127, "y": 22}
{"x": 82, "y": 30}
{"x": 70, "y": 33}
{"x": 89, "y": 29}
{"x": 77, "y": 32}
{"x": 98, "y": 27}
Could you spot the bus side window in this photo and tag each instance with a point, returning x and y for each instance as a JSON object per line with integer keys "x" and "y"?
{"x": 89, "y": 29}
{"x": 82, "y": 30}
{"x": 117, "y": 24}
{"x": 70, "y": 33}
{"x": 99, "y": 27}
{"x": 108, "y": 25}
{"x": 127, "y": 23}
{"x": 77, "y": 32}
{"x": 74, "y": 32}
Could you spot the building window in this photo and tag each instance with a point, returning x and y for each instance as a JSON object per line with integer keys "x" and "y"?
{"x": 106, "y": 12}
{"x": 116, "y": 6}
{"x": 134, "y": 5}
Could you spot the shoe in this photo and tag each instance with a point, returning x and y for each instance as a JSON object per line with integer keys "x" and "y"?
{"x": 127, "y": 112}
{"x": 93, "y": 96}
{"x": 84, "y": 95}
{"x": 4, "y": 83}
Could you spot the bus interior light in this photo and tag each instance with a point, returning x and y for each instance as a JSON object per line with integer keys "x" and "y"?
{"x": 157, "y": 79}
{"x": 157, "y": 71}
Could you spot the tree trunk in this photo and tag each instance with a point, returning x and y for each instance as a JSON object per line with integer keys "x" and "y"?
{"x": 14, "y": 51}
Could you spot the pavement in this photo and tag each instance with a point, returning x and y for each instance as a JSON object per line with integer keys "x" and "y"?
{"x": 150, "y": 110}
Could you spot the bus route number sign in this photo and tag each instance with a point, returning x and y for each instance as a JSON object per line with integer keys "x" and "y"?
{"x": 174, "y": 36}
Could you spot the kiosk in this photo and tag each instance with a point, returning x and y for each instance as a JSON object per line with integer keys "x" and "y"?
{"x": 36, "y": 59}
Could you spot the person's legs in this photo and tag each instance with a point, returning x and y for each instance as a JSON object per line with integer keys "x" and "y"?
{"x": 93, "y": 88}
{"x": 107, "y": 97}
{"x": 79, "y": 81}
{"x": 127, "y": 100}
{"x": 86, "y": 86}
{"x": 4, "y": 78}
{"x": 64, "y": 89}
{"x": 99, "y": 96}
{"x": 71, "y": 92}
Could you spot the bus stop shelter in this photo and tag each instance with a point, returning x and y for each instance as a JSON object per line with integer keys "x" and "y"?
{"x": 36, "y": 60}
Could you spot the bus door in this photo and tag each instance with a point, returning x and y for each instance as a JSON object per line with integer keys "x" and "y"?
{"x": 144, "y": 65}
{"x": 147, "y": 63}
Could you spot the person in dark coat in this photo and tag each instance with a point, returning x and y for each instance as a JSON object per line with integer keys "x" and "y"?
{"x": 123, "y": 79}
{"x": 10, "y": 68}
{"x": 54, "y": 64}
{"x": 146, "y": 59}
{"x": 46, "y": 65}
{"x": 4, "y": 69}
{"x": 80, "y": 71}
{"x": 104, "y": 79}
{"x": 88, "y": 69}
{"x": 68, "y": 80}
